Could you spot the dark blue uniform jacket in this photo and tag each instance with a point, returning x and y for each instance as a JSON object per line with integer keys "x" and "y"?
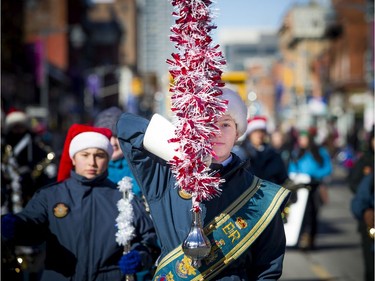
{"x": 172, "y": 214}
{"x": 76, "y": 218}
{"x": 266, "y": 163}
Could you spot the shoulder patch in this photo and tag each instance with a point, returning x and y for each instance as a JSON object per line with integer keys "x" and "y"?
{"x": 183, "y": 194}
{"x": 60, "y": 210}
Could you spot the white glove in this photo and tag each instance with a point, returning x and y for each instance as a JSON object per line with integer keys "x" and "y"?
{"x": 299, "y": 178}
{"x": 158, "y": 132}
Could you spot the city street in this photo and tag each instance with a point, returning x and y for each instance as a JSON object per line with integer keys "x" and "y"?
{"x": 338, "y": 254}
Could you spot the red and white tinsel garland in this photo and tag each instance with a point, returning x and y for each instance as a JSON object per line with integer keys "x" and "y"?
{"x": 196, "y": 70}
{"x": 125, "y": 232}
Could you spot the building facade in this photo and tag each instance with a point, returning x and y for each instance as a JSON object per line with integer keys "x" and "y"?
{"x": 350, "y": 67}
{"x": 302, "y": 101}
{"x": 251, "y": 55}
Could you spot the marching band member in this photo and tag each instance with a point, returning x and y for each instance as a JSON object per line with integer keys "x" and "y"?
{"x": 76, "y": 216}
{"x": 246, "y": 216}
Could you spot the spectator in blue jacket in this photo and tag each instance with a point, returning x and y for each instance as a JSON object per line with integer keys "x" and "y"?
{"x": 313, "y": 161}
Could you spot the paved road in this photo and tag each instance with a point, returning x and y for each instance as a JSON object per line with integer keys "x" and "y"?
{"x": 338, "y": 255}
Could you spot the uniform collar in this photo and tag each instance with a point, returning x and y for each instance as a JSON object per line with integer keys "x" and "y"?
{"x": 85, "y": 181}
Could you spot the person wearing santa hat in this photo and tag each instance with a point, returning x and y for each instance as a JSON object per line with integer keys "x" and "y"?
{"x": 76, "y": 216}
{"x": 146, "y": 147}
{"x": 265, "y": 162}
{"x": 27, "y": 162}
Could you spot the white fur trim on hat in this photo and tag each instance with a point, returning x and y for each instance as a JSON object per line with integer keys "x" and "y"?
{"x": 15, "y": 117}
{"x": 236, "y": 109}
{"x": 257, "y": 124}
{"x": 90, "y": 140}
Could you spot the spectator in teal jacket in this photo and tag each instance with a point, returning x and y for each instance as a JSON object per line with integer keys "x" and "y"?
{"x": 313, "y": 161}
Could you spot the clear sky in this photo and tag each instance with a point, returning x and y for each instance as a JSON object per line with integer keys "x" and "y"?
{"x": 253, "y": 13}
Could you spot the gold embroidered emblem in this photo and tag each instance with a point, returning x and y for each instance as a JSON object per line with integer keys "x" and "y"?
{"x": 220, "y": 243}
{"x": 60, "y": 210}
{"x": 184, "y": 268}
{"x": 168, "y": 277}
{"x": 183, "y": 194}
{"x": 241, "y": 223}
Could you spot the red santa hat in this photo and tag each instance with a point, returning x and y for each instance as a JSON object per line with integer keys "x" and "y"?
{"x": 15, "y": 117}
{"x": 80, "y": 137}
{"x": 256, "y": 123}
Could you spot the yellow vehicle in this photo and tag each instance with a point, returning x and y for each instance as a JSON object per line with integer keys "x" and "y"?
{"x": 238, "y": 80}
{"x": 235, "y": 78}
